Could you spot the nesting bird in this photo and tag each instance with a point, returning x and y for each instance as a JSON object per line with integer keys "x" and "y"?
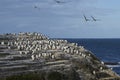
{"x": 2, "y": 43}
{"x": 33, "y": 57}
{"x": 94, "y": 72}
{"x": 102, "y": 62}
{"x": 36, "y": 45}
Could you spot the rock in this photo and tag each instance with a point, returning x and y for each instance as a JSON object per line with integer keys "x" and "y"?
{"x": 33, "y": 56}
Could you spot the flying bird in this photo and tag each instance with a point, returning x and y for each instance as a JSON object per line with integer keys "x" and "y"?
{"x": 36, "y": 7}
{"x": 58, "y": 1}
{"x": 86, "y": 18}
{"x": 94, "y": 19}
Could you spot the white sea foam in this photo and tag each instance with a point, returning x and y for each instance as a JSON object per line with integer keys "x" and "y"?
{"x": 111, "y": 66}
{"x": 118, "y": 62}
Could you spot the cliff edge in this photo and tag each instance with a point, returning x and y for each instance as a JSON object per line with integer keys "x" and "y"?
{"x": 33, "y": 56}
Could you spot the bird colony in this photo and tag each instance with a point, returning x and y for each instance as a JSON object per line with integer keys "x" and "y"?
{"x": 39, "y": 47}
{"x": 29, "y": 52}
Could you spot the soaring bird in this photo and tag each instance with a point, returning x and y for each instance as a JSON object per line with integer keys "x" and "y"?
{"x": 94, "y": 19}
{"x": 86, "y": 18}
{"x": 58, "y": 1}
{"x": 36, "y": 7}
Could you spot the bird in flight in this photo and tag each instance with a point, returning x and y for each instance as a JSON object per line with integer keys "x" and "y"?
{"x": 94, "y": 19}
{"x": 36, "y": 7}
{"x": 58, "y": 1}
{"x": 86, "y": 18}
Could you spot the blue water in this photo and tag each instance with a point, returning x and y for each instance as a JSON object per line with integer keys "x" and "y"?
{"x": 107, "y": 50}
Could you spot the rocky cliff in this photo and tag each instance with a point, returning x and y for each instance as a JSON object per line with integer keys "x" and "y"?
{"x": 33, "y": 56}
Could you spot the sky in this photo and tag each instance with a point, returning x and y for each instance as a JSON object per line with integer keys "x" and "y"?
{"x": 61, "y": 20}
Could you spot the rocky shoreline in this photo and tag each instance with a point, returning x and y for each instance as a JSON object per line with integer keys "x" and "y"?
{"x": 36, "y": 55}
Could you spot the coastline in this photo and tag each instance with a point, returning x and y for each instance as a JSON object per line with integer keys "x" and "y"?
{"x": 46, "y": 55}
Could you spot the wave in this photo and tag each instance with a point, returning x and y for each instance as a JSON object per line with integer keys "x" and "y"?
{"x": 112, "y": 63}
{"x": 118, "y": 62}
{"x": 112, "y": 66}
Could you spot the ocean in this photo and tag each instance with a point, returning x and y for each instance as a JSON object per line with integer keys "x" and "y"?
{"x": 107, "y": 50}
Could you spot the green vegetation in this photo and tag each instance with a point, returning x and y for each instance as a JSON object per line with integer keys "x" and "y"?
{"x": 4, "y": 54}
{"x": 54, "y": 76}
{"x": 30, "y": 76}
{"x": 50, "y": 75}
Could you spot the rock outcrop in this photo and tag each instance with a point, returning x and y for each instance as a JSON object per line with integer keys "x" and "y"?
{"x": 33, "y": 56}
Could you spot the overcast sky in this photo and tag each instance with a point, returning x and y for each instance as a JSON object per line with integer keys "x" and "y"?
{"x": 63, "y": 20}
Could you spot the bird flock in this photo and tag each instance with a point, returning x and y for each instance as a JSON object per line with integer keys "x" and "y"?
{"x": 63, "y": 2}
{"x": 39, "y": 47}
